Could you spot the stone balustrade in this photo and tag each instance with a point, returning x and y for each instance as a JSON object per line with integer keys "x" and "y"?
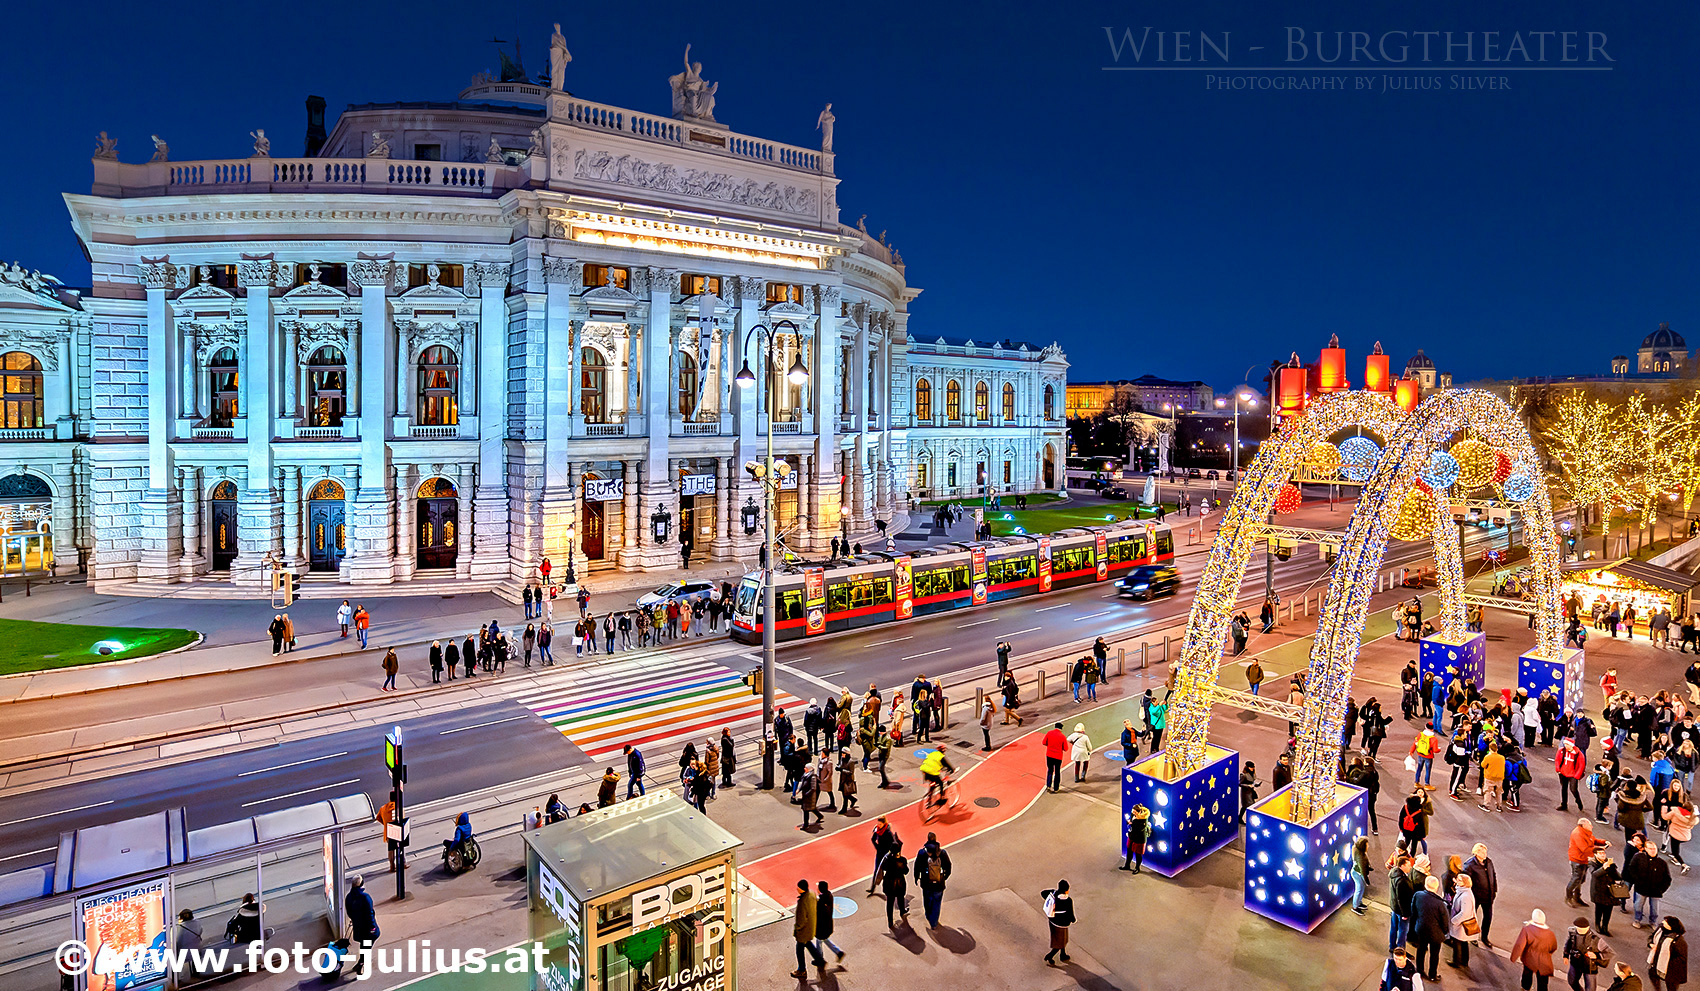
{"x": 665, "y": 129}
{"x": 266, "y": 175}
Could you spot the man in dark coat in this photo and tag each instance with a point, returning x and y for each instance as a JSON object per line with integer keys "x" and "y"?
{"x": 1668, "y": 963}
{"x": 1429, "y": 926}
{"x": 1484, "y": 884}
{"x": 1400, "y": 895}
{"x": 362, "y": 919}
{"x": 1648, "y": 877}
{"x": 932, "y": 870}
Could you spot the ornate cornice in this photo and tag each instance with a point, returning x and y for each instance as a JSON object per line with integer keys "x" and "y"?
{"x": 420, "y": 336}
{"x": 752, "y": 289}
{"x": 562, "y": 271}
{"x": 370, "y": 271}
{"x": 42, "y": 343}
{"x": 156, "y": 275}
{"x": 488, "y": 275}
{"x": 255, "y": 272}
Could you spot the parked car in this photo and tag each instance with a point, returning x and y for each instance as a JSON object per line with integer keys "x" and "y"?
{"x": 1149, "y": 581}
{"x": 1194, "y": 473}
{"x": 1114, "y": 492}
{"x": 1213, "y": 475}
{"x": 675, "y": 592}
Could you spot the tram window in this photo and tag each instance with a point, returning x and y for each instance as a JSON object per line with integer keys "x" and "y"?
{"x": 882, "y": 591}
{"x": 940, "y": 581}
{"x": 791, "y": 604}
{"x": 838, "y": 596}
{"x": 1127, "y": 549}
{"x": 1165, "y": 543}
{"x": 1074, "y": 559}
{"x": 1014, "y": 569}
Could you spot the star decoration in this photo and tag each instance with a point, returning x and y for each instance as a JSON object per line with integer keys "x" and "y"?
{"x": 1294, "y": 868}
{"x": 1158, "y": 819}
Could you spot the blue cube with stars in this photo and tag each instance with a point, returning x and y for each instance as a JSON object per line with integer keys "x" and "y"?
{"x": 1298, "y": 875}
{"x": 1465, "y": 652}
{"x": 1192, "y": 816}
{"x": 1562, "y": 675}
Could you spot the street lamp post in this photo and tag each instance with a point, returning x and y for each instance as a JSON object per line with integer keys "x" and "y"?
{"x": 765, "y": 474}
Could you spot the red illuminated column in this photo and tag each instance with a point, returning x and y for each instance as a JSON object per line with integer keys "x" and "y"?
{"x": 1406, "y": 394}
{"x": 1378, "y": 376}
{"x": 1333, "y": 372}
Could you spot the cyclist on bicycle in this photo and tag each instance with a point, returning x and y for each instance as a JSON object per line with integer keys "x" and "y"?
{"x": 934, "y": 767}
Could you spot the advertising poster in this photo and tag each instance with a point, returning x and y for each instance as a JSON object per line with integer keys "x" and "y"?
{"x": 1103, "y": 556}
{"x": 126, "y": 935}
{"x": 978, "y": 576}
{"x": 1044, "y": 564}
{"x": 814, "y": 600}
{"x": 903, "y": 587}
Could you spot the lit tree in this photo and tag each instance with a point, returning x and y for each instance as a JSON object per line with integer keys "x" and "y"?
{"x": 1680, "y": 460}
{"x": 1580, "y": 440}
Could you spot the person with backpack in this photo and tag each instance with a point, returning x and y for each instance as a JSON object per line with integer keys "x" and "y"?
{"x": 932, "y": 871}
{"x": 1584, "y": 954}
{"x": 1571, "y": 765}
{"x": 1413, "y": 820}
{"x": 1059, "y": 912}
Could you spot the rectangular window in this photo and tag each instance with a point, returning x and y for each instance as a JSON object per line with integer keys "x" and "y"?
{"x": 950, "y": 474}
{"x": 596, "y": 276}
{"x": 447, "y": 275}
{"x": 920, "y": 474}
{"x": 696, "y": 285}
{"x": 428, "y": 153}
{"x": 1165, "y": 543}
{"x": 1073, "y": 559}
{"x": 1013, "y": 569}
{"x": 791, "y": 604}
{"x": 1126, "y": 549}
{"x": 941, "y": 581}
{"x": 218, "y": 276}
{"x": 784, "y": 292}
{"x": 1008, "y": 471}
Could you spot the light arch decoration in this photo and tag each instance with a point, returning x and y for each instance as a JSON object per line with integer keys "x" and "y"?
{"x": 1339, "y": 634}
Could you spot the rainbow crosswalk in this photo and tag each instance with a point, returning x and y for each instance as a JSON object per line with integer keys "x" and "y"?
{"x": 654, "y": 703}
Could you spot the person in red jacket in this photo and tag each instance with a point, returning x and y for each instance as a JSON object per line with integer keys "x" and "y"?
{"x": 1583, "y": 846}
{"x": 1056, "y": 751}
{"x": 1572, "y": 765}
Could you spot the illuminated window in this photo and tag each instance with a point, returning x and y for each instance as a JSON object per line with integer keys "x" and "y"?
{"x": 687, "y": 384}
{"x": 982, "y": 402}
{"x": 1050, "y": 402}
{"x": 923, "y": 400}
{"x": 225, "y": 380}
{"x": 593, "y": 385}
{"x": 21, "y": 405}
{"x": 327, "y": 388}
{"x": 1008, "y": 405}
{"x": 439, "y": 387}
{"x": 596, "y": 276}
{"x": 953, "y": 401}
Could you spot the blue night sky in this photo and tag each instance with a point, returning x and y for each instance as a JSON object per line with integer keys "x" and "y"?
{"x": 1150, "y": 223}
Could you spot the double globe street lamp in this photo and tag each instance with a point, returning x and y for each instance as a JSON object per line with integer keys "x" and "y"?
{"x": 771, "y": 477}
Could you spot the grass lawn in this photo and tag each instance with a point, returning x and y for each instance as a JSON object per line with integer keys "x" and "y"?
{"x": 1033, "y": 499}
{"x": 26, "y": 646}
{"x": 1062, "y": 517}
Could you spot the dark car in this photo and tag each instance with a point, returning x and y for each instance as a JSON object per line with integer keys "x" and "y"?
{"x": 1194, "y": 473}
{"x": 1149, "y": 581}
{"x": 1213, "y": 475}
{"x": 1114, "y": 492}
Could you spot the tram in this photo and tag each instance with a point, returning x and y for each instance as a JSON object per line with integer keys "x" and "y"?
{"x": 890, "y": 588}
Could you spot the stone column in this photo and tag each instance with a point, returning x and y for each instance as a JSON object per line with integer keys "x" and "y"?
{"x": 464, "y": 525}
{"x": 657, "y": 488}
{"x": 291, "y": 363}
{"x": 187, "y": 386}
{"x": 827, "y": 355}
{"x": 634, "y": 361}
{"x": 558, "y": 500}
{"x": 371, "y": 557}
{"x": 159, "y": 516}
{"x": 404, "y": 375}
{"x": 574, "y": 540}
{"x": 192, "y": 563}
{"x": 403, "y": 512}
{"x": 259, "y": 512}
{"x": 631, "y": 532}
{"x": 720, "y": 548}
{"x": 354, "y": 387}
{"x": 294, "y": 549}
{"x": 491, "y": 557}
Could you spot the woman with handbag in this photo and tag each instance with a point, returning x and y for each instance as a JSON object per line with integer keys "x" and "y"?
{"x": 1059, "y": 912}
{"x": 1607, "y": 891}
{"x": 1466, "y": 922}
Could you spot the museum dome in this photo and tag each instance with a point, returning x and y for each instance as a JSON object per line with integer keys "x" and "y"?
{"x": 1664, "y": 337}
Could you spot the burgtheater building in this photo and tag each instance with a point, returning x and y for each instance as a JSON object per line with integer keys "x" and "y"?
{"x": 457, "y": 338}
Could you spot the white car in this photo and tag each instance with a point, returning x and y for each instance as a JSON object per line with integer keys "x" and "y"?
{"x": 675, "y": 592}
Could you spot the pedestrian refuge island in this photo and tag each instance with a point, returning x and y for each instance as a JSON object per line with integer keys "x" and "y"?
{"x": 638, "y": 895}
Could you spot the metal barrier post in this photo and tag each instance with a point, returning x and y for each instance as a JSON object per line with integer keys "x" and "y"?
{"x": 1121, "y": 661}
{"x": 1144, "y": 655}
{"x": 1041, "y": 675}
{"x": 1165, "y": 648}
{"x": 979, "y": 700}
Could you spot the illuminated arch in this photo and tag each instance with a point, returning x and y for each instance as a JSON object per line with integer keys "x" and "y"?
{"x": 1339, "y": 635}
{"x": 1241, "y": 529}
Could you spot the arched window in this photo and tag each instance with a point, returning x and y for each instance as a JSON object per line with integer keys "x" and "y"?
{"x": 1050, "y": 402}
{"x": 953, "y": 400}
{"x": 327, "y": 488}
{"x": 226, "y": 387}
{"x": 687, "y": 384}
{"x": 593, "y": 385}
{"x": 923, "y": 402}
{"x": 21, "y": 407}
{"x": 982, "y": 402}
{"x": 1008, "y": 403}
{"x": 327, "y": 387}
{"x": 439, "y": 387}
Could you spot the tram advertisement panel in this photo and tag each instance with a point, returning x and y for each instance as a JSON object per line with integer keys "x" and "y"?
{"x": 125, "y": 931}
{"x": 1044, "y": 564}
{"x": 903, "y": 587}
{"x": 814, "y": 600}
{"x": 978, "y": 576}
{"x": 1103, "y": 556}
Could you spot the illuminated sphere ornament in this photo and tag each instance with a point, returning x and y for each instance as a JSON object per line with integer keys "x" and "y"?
{"x": 1476, "y": 463}
{"x": 1359, "y": 455}
{"x": 1416, "y": 516}
{"x": 1288, "y": 499}
{"x": 1518, "y": 488}
{"x": 1325, "y": 459}
{"x": 1441, "y": 472}
{"x": 1501, "y": 467}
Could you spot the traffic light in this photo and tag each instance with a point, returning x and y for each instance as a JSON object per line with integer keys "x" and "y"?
{"x": 288, "y": 588}
{"x": 396, "y": 832}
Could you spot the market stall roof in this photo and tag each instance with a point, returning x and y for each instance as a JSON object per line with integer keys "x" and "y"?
{"x": 1635, "y": 569}
{"x": 628, "y": 843}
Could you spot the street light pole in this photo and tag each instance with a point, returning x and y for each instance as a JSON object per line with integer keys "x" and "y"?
{"x": 797, "y": 374}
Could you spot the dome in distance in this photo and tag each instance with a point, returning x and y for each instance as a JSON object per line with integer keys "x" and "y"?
{"x": 1420, "y": 360}
{"x": 1664, "y": 337}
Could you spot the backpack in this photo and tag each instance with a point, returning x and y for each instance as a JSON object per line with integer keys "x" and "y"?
{"x": 935, "y": 868}
{"x": 1408, "y": 820}
{"x": 1596, "y": 782}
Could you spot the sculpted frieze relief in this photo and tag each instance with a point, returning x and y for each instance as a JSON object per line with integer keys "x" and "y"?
{"x": 629, "y": 170}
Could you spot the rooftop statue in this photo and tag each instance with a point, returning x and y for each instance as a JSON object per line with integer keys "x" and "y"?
{"x": 692, "y": 95}
{"x": 105, "y": 147}
{"x": 558, "y": 59}
{"x": 161, "y": 150}
{"x": 824, "y": 124}
{"x": 262, "y": 144}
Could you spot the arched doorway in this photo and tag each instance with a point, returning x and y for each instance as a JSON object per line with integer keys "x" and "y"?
{"x": 326, "y": 530}
{"x": 26, "y": 525}
{"x": 222, "y": 524}
{"x": 1048, "y": 467}
{"x": 439, "y": 524}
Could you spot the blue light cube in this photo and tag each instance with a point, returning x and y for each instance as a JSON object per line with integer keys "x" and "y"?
{"x": 1298, "y": 875}
{"x": 1563, "y": 676}
{"x": 1192, "y": 816}
{"x": 1465, "y": 652}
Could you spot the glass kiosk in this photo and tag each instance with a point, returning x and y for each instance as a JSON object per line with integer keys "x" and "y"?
{"x": 634, "y": 897}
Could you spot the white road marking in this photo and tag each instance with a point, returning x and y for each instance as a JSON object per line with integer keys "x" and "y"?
{"x": 305, "y": 791}
{"x": 832, "y": 674}
{"x": 881, "y": 643}
{"x": 1030, "y": 629}
{"x": 811, "y": 679}
{"x": 982, "y": 622}
{"x": 61, "y": 812}
{"x": 927, "y": 654}
{"x": 295, "y": 763}
{"x": 31, "y": 853}
{"x": 1057, "y": 606}
{"x": 1093, "y": 616}
{"x": 493, "y": 722}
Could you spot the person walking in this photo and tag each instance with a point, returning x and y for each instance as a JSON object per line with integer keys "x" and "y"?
{"x": 885, "y": 841}
{"x": 1134, "y": 840}
{"x": 1059, "y": 913}
{"x": 804, "y": 926}
{"x": 275, "y": 630}
{"x": 391, "y": 666}
{"x": 362, "y": 624}
{"x": 635, "y": 770}
{"x": 1648, "y": 877}
{"x": 1129, "y": 742}
{"x": 987, "y": 711}
{"x": 1667, "y": 955}
{"x": 1254, "y": 676}
{"x": 344, "y": 616}
{"x": 1572, "y": 765}
{"x": 1533, "y": 950}
{"x": 847, "y": 783}
{"x": 823, "y": 923}
{"x": 1584, "y": 954}
{"x": 1011, "y": 699}
{"x": 894, "y": 883}
{"x": 809, "y": 789}
{"x": 1080, "y": 751}
{"x": 362, "y": 920}
{"x": 288, "y": 633}
{"x": 882, "y": 754}
{"x": 1583, "y": 846}
{"x": 1056, "y": 749}
{"x": 545, "y": 638}
{"x": 932, "y": 870}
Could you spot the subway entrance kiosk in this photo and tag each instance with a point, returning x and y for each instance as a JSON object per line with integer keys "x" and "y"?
{"x": 640, "y": 896}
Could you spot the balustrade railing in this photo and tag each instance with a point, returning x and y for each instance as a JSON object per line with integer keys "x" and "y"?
{"x": 213, "y": 433}
{"x": 27, "y": 433}
{"x": 432, "y": 431}
{"x": 318, "y": 433}
{"x": 605, "y": 429}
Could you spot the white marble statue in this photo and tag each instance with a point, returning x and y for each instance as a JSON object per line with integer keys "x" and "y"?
{"x": 536, "y": 147}
{"x": 161, "y": 150}
{"x": 380, "y": 146}
{"x": 105, "y": 147}
{"x": 262, "y": 144}
{"x": 824, "y": 124}
{"x": 558, "y": 59}
{"x": 692, "y": 95}
{"x": 494, "y": 155}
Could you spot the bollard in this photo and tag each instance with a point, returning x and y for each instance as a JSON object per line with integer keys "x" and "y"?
{"x": 1144, "y": 656}
{"x": 1040, "y": 692}
{"x": 1121, "y": 661}
{"x": 1165, "y": 648}
{"x": 979, "y": 700}
{"x": 944, "y": 710}
{"x": 1289, "y": 612}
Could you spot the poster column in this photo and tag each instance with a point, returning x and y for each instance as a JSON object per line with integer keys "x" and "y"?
{"x": 978, "y": 576}
{"x": 903, "y": 587}
{"x": 1103, "y": 548}
{"x": 814, "y": 600}
{"x": 1044, "y": 564}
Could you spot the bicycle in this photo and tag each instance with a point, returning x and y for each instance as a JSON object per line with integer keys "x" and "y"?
{"x": 949, "y": 799}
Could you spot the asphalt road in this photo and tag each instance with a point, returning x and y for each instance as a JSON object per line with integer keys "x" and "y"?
{"x": 450, "y": 753}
